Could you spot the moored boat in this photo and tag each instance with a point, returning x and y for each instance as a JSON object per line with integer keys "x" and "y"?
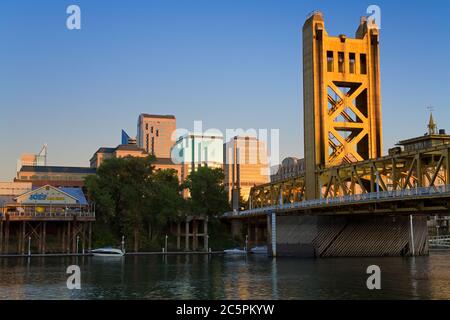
{"x": 259, "y": 250}
{"x": 235, "y": 251}
{"x": 107, "y": 252}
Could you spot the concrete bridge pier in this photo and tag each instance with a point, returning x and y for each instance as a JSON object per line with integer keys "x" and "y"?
{"x": 237, "y": 230}
{"x": 348, "y": 236}
{"x": 253, "y": 229}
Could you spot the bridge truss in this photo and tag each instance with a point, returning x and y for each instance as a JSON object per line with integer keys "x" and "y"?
{"x": 403, "y": 171}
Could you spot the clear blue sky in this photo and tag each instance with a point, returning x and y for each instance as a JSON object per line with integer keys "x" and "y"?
{"x": 230, "y": 63}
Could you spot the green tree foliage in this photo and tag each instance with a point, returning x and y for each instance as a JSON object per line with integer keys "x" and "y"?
{"x": 166, "y": 202}
{"x": 135, "y": 200}
{"x": 131, "y": 197}
{"x": 207, "y": 193}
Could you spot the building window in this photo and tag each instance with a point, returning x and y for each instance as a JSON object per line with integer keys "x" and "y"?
{"x": 363, "y": 63}
{"x": 341, "y": 62}
{"x": 352, "y": 62}
{"x": 330, "y": 61}
{"x": 151, "y": 129}
{"x": 146, "y": 126}
{"x": 153, "y": 145}
{"x": 157, "y": 133}
{"x": 146, "y": 142}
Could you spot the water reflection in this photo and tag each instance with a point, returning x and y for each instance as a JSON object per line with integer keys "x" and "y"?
{"x": 225, "y": 277}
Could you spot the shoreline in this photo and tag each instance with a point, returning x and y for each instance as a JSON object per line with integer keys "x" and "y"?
{"x": 91, "y": 255}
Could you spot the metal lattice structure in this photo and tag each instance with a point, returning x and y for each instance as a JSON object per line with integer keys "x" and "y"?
{"x": 404, "y": 171}
{"x": 342, "y": 104}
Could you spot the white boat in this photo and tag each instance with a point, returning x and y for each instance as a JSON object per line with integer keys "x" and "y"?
{"x": 107, "y": 252}
{"x": 235, "y": 251}
{"x": 259, "y": 250}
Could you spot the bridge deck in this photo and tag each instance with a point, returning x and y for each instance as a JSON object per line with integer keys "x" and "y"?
{"x": 432, "y": 200}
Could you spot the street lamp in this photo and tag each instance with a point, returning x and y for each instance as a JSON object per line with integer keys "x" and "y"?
{"x": 165, "y": 246}
{"x": 29, "y": 245}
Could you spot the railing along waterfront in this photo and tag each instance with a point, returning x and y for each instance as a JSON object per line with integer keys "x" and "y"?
{"x": 440, "y": 241}
{"x": 48, "y": 214}
{"x": 344, "y": 200}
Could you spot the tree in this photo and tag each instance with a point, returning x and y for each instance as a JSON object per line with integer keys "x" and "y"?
{"x": 166, "y": 202}
{"x": 207, "y": 193}
{"x": 130, "y": 195}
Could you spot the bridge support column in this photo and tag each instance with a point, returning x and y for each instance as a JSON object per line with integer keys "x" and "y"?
{"x": 236, "y": 229}
{"x": 351, "y": 236}
{"x": 272, "y": 234}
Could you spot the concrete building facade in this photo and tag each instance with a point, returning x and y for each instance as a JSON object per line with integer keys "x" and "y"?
{"x": 155, "y": 134}
{"x": 132, "y": 150}
{"x": 56, "y": 176}
{"x": 192, "y": 151}
{"x": 245, "y": 166}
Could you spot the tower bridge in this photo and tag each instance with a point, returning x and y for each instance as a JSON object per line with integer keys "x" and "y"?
{"x": 350, "y": 200}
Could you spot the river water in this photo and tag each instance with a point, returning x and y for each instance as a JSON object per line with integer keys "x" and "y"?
{"x": 225, "y": 277}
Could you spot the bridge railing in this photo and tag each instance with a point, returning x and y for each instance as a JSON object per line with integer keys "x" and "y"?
{"x": 440, "y": 241}
{"x": 373, "y": 196}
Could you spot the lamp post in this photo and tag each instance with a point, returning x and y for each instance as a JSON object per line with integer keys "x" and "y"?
{"x": 165, "y": 246}
{"x": 123, "y": 244}
{"x": 78, "y": 239}
{"x": 29, "y": 245}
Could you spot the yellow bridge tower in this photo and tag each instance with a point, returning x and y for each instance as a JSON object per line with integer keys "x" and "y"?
{"x": 341, "y": 97}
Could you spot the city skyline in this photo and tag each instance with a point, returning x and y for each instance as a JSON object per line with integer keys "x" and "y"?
{"x": 76, "y": 90}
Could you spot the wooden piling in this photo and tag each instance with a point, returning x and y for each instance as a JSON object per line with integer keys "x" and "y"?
{"x": 68, "y": 237}
{"x": 90, "y": 236}
{"x": 186, "y": 235}
{"x": 22, "y": 242}
{"x": 6, "y": 246}
{"x": 44, "y": 237}
{"x": 1, "y": 236}
{"x": 178, "y": 236}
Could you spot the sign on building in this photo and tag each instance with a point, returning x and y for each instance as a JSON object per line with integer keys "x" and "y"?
{"x": 46, "y": 195}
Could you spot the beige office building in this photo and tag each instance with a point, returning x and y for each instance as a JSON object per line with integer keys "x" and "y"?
{"x": 131, "y": 150}
{"x": 154, "y": 134}
{"x": 245, "y": 165}
{"x": 193, "y": 151}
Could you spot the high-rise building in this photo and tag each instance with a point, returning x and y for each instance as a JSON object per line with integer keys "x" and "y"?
{"x": 245, "y": 165}
{"x": 154, "y": 134}
{"x": 197, "y": 150}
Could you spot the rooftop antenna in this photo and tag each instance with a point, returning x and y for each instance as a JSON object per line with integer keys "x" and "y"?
{"x": 43, "y": 154}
